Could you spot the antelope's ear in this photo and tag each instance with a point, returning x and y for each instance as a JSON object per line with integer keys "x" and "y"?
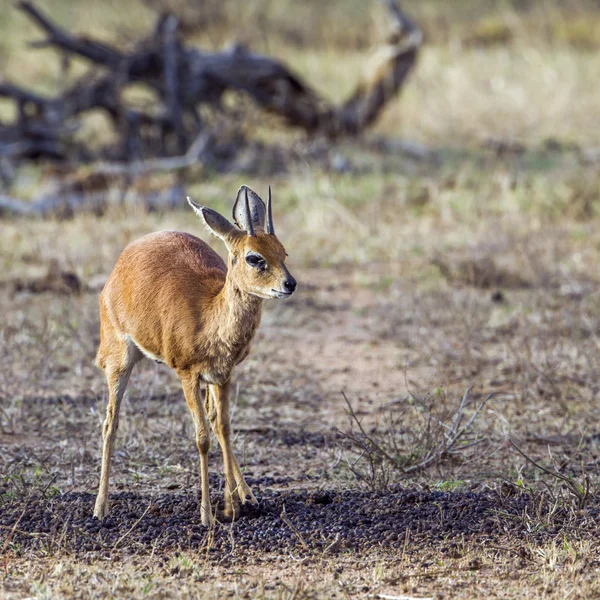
{"x": 257, "y": 208}
{"x": 216, "y": 223}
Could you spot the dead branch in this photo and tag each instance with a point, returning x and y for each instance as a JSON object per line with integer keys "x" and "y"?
{"x": 90, "y": 49}
{"x": 196, "y": 152}
{"x": 183, "y": 79}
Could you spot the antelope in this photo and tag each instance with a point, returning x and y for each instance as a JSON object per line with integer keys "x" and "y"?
{"x": 172, "y": 299}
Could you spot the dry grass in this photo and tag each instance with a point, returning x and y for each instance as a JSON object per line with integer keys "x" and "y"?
{"x": 477, "y": 269}
{"x": 558, "y": 570}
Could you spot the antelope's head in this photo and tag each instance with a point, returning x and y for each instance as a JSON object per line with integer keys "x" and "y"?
{"x": 256, "y": 256}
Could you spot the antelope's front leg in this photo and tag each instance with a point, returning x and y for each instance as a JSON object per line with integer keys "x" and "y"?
{"x": 243, "y": 489}
{"x": 217, "y": 399}
{"x": 191, "y": 389}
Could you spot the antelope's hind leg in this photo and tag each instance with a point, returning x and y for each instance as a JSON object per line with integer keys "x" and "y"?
{"x": 217, "y": 407}
{"x": 116, "y": 356}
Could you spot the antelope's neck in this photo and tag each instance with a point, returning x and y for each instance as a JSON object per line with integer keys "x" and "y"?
{"x": 241, "y": 314}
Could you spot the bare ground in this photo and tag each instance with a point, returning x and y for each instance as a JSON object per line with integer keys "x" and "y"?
{"x": 423, "y": 327}
{"x": 474, "y": 266}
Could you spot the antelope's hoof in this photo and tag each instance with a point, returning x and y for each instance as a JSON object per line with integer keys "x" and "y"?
{"x": 246, "y": 495}
{"x": 101, "y": 509}
{"x": 206, "y": 517}
{"x": 232, "y": 512}
{"x": 248, "y": 498}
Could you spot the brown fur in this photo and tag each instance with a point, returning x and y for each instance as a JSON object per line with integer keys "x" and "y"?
{"x": 171, "y": 297}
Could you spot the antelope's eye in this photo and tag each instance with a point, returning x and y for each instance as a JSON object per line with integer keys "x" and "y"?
{"x": 254, "y": 260}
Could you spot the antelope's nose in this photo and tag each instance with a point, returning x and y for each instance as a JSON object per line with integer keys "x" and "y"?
{"x": 289, "y": 285}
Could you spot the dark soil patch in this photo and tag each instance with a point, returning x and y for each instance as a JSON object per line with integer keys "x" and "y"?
{"x": 329, "y": 520}
{"x": 295, "y": 437}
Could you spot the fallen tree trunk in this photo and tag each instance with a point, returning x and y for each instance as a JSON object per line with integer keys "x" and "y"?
{"x": 184, "y": 78}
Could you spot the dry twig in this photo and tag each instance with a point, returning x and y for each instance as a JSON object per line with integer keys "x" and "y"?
{"x": 116, "y": 545}
{"x": 581, "y": 491}
{"x": 453, "y": 434}
{"x": 284, "y": 518}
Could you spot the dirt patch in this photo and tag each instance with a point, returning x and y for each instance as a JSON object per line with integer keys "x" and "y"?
{"x": 323, "y": 520}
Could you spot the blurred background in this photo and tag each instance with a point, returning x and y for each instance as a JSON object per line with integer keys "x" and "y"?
{"x": 501, "y": 89}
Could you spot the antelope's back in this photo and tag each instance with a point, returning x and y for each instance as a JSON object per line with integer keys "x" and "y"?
{"x": 161, "y": 281}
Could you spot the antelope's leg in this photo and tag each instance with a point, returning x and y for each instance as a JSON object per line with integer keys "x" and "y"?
{"x": 191, "y": 388}
{"x": 244, "y": 492}
{"x": 117, "y": 376}
{"x": 222, "y": 428}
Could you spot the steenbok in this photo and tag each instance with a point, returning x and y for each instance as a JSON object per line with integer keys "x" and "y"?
{"x": 172, "y": 299}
